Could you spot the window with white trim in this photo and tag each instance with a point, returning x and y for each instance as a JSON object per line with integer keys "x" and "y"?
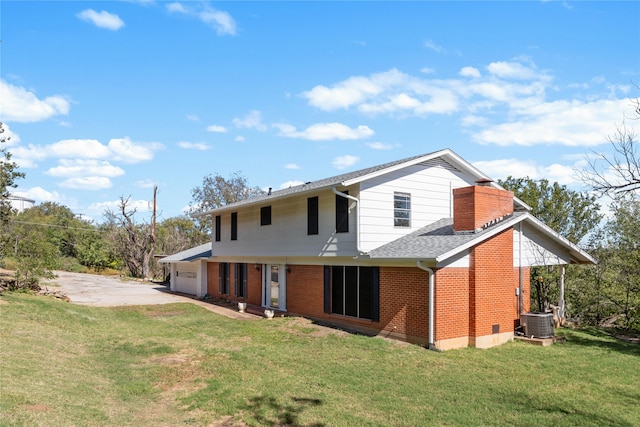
{"x": 401, "y": 210}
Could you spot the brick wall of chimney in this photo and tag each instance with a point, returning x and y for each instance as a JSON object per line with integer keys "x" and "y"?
{"x": 477, "y": 205}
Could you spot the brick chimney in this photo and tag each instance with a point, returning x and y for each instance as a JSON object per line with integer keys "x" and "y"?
{"x": 478, "y": 205}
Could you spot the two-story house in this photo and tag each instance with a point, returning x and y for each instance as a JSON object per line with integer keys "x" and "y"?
{"x": 426, "y": 249}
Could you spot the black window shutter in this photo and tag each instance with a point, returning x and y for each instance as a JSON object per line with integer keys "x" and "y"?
{"x": 218, "y": 227}
{"x": 375, "y": 298}
{"x": 234, "y": 226}
{"x": 312, "y": 215}
{"x": 327, "y": 289}
{"x": 342, "y": 213}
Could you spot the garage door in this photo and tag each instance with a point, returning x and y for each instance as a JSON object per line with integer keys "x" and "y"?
{"x": 186, "y": 279}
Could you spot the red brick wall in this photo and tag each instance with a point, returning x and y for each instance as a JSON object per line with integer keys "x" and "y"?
{"x": 404, "y": 301}
{"x": 492, "y": 297}
{"x": 305, "y": 290}
{"x": 404, "y": 296}
{"x": 212, "y": 279}
{"x": 475, "y": 206}
{"x": 452, "y": 303}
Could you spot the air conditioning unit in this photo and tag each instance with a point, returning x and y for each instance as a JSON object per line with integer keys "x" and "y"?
{"x": 538, "y": 325}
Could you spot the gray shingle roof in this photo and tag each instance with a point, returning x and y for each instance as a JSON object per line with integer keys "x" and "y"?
{"x": 191, "y": 254}
{"x": 436, "y": 240}
{"x": 320, "y": 184}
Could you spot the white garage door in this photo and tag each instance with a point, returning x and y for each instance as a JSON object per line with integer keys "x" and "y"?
{"x": 186, "y": 278}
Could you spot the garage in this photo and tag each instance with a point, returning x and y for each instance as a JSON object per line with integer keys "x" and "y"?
{"x": 189, "y": 270}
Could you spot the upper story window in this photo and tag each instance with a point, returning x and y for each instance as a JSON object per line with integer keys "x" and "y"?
{"x": 218, "y": 227}
{"x": 265, "y": 215}
{"x": 401, "y": 210}
{"x": 342, "y": 213}
{"x": 234, "y": 226}
{"x": 312, "y": 215}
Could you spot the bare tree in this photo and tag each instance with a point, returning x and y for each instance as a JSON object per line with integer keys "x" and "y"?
{"x": 617, "y": 172}
{"x": 133, "y": 242}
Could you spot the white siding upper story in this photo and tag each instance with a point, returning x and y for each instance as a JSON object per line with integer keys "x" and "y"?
{"x": 429, "y": 185}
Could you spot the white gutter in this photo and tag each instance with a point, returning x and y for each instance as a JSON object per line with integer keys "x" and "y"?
{"x": 432, "y": 345}
{"x": 338, "y": 193}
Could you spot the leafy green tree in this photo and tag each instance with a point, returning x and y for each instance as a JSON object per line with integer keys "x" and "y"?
{"x": 179, "y": 233}
{"x": 8, "y": 176}
{"x": 35, "y": 256}
{"x": 570, "y": 213}
{"x": 216, "y": 191}
{"x": 623, "y": 290}
{"x": 92, "y": 250}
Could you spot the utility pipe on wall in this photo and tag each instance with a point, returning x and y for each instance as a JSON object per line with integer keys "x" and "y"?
{"x": 432, "y": 345}
{"x": 346, "y": 196}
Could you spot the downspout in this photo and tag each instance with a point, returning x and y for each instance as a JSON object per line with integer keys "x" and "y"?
{"x": 432, "y": 345}
{"x": 346, "y": 196}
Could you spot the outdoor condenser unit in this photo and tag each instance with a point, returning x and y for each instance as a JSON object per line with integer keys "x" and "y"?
{"x": 538, "y": 325}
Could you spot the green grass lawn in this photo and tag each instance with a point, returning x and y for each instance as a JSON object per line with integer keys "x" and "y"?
{"x": 178, "y": 364}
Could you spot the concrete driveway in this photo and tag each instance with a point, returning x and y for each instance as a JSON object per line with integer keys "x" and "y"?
{"x": 111, "y": 291}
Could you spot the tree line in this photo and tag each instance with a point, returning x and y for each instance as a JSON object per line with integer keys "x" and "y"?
{"x": 50, "y": 236}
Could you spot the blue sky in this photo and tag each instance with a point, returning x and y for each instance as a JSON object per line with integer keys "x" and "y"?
{"x": 108, "y": 99}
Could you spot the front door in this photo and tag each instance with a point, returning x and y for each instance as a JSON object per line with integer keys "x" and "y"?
{"x": 274, "y": 287}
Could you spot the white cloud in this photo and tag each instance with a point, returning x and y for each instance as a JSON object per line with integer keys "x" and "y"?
{"x": 343, "y": 162}
{"x": 239, "y": 138}
{"x": 253, "y": 120}
{"x": 388, "y": 92}
{"x": 221, "y": 21}
{"x": 430, "y": 44}
{"x": 564, "y": 174}
{"x": 17, "y": 104}
{"x": 216, "y": 129}
{"x": 82, "y": 168}
{"x": 99, "y": 208}
{"x": 78, "y": 148}
{"x": 39, "y": 194}
{"x": 102, "y": 19}
{"x": 513, "y": 70}
{"x": 379, "y": 146}
{"x": 193, "y": 117}
{"x": 427, "y": 70}
{"x": 291, "y": 166}
{"x": 128, "y": 151}
{"x": 470, "y": 72}
{"x": 507, "y": 105}
{"x": 87, "y": 183}
{"x": 325, "y": 132}
{"x": 570, "y": 123}
{"x": 145, "y": 183}
{"x": 120, "y": 149}
{"x": 193, "y": 145}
